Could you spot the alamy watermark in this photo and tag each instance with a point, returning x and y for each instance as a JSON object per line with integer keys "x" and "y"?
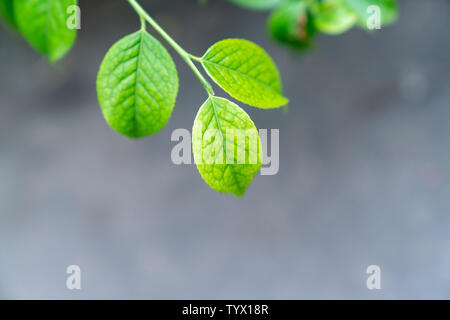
{"x": 73, "y": 281}
{"x": 74, "y": 19}
{"x": 374, "y": 279}
{"x": 241, "y": 147}
{"x": 374, "y": 20}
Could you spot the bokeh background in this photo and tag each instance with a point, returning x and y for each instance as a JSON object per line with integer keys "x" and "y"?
{"x": 364, "y": 169}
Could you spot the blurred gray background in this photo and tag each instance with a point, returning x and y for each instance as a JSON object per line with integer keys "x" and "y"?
{"x": 364, "y": 169}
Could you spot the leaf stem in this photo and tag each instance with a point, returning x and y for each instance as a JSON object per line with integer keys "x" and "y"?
{"x": 186, "y": 56}
{"x": 143, "y": 26}
{"x": 195, "y": 58}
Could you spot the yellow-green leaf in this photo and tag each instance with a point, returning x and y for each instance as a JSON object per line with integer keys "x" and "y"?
{"x": 226, "y": 146}
{"x": 333, "y": 17}
{"x": 43, "y": 23}
{"x": 137, "y": 85}
{"x": 246, "y": 72}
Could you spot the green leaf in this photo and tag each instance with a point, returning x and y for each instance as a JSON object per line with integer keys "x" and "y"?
{"x": 7, "y": 13}
{"x": 246, "y": 72}
{"x": 292, "y": 24}
{"x": 388, "y": 10}
{"x": 333, "y": 17}
{"x": 137, "y": 85}
{"x": 44, "y": 24}
{"x": 257, "y": 4}
{"x": 226, "y": 146}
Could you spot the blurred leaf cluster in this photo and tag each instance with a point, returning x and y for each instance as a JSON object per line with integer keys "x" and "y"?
{"x": 297, "y": 22}
{"x": 44, "y": 24}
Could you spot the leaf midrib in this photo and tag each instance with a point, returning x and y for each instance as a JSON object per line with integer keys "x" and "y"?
{"x": 244, "y": 75}
{"x": 224, "y": 143}
{"x": 138, "y": 68}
